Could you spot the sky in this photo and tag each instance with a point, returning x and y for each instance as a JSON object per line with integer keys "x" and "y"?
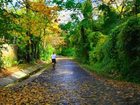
{"x": 64, "y": 16}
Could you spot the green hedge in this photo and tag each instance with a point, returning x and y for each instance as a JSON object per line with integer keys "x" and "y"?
{"x": 120, "y": 53}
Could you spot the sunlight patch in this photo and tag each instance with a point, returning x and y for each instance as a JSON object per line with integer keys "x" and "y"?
{"x": 65, "y": 72}
{"x": 18, "y": 74}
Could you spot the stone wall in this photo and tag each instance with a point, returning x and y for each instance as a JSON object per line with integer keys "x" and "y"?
{"x": 9, "y": 55}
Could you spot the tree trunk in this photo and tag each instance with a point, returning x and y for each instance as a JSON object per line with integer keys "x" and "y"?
{"x": 28, "y": 59}
{"x": 84, "y": 42}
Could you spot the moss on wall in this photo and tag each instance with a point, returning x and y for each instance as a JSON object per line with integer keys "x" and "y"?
{"x": 9, "y": 55}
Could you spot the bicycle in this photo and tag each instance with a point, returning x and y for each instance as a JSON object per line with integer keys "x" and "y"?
{"x": 53, "y": 65}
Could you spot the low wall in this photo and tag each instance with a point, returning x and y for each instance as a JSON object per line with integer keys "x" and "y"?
{"x": 9, "y": 55}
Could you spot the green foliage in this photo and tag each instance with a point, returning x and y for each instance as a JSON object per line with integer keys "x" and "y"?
{"x": 8, "y": 62}
{"x": 119, "y": 54}
{"x": 129, "y": 48}
{"x": 70, "y": 4}
{"x": 108, "y": 52}
{"x": 67, "y": 51}
{"x": 110, "y": 15}
{"x": 78, "y": 31}
{"x": 1, "y": 61}
{"x": 87, "y": 9}
{"x": 46, "y": 52}
{"x": 109, "y": 44}
{"x": 7, "y": 24}
{"x": 97, "y": 40}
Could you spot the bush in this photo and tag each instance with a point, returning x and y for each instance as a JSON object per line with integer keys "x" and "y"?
{"x": 120, "y": 53}
{"x": 96, "y": 42}
{"x": 128, "y": 43}
{"x": 110, "y": 50}
{"x": 67, "y": 51}
{"x": 46, "y": 52}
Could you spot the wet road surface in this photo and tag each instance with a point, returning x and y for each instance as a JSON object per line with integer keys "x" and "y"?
{"x": 68, "y": 84}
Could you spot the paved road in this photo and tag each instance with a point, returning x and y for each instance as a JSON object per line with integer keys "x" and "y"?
{"x": 68, "y": 84}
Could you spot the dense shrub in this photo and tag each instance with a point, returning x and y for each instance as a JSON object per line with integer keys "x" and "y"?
{"x": 129, "y": 48}
{"x": 110, "y": 50}
{"x": 67, "y": 51}
{"x": 96, "y": 40}
{"x": 120, "y": 52}
{"x": 45, "y": 53}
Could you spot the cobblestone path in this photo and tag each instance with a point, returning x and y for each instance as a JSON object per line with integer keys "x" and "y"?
{"x": 68, "y": 84}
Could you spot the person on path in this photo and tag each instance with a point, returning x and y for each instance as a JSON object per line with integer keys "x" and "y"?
{"x": 53, "y": 59}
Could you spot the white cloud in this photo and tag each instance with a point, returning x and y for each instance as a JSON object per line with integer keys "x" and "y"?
{"x": 64, "y": 16}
